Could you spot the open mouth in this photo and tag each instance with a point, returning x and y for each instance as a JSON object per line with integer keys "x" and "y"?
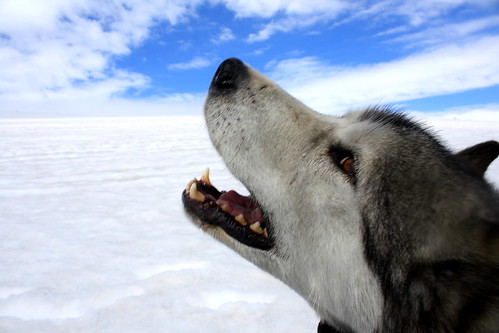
{"x": 240, "y": 216}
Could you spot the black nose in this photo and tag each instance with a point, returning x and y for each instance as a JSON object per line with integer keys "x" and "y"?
{"x": 229, "y": 74}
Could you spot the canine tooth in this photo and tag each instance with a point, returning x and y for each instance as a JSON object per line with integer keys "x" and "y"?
{"x": 195, "y": 194}
{"x": 189, "y": 184}
{"x": 265, "y": 233}
{"x": 256, "y": 227}
{"x": 225, "y": 208}
{"x": 205, "y": 177}
{"x": 240, "y": 219}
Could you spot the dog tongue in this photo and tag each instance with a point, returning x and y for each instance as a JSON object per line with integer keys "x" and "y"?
{"x": 235, "y": 204}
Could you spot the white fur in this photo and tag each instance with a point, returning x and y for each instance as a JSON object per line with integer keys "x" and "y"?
{"x": 276, "y": 146}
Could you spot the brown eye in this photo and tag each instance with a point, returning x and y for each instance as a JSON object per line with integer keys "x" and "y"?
{"x": 347, "y": 164}
{"x": 344, "y": 159}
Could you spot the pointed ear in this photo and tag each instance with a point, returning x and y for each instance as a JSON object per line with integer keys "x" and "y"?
{"x": 481, "y": 155}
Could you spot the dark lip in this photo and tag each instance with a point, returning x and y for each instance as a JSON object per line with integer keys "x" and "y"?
{"x": 209, "y": 213}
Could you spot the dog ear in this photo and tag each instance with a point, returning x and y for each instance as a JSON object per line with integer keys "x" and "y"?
{"x": 481, "y": 155}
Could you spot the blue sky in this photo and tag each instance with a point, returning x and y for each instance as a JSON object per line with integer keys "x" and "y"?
{"x": 135, "y": 57}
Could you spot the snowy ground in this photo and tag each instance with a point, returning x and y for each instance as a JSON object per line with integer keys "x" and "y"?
{"x": 93, "y": 236}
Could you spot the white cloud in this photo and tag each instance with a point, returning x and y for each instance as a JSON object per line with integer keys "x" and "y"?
{"x": 414, "y": 13}
{"x": 446, "y": 70}
{"x": 444, "y": 32}
{"x": 284, "y": 25}
{"x": 269, "y": 8}
{"x": 287, "y": 16}
{"x": 195, "y": 63}
{"x": 290, "y": 15}
{"x": 52, "y": 46}
{"x": 225, "y": 35}
{"x": 476, "y": 113}
{"x": 421, "y": 11}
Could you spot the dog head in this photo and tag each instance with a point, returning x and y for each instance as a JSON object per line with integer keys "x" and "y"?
{"x": 344, "y": 210}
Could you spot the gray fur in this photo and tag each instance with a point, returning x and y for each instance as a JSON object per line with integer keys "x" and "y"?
{"x": 410, "y": 243}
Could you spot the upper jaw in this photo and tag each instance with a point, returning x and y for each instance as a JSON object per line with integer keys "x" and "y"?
{"x": 234, "y": 111}
{"x": 227, "y": 93}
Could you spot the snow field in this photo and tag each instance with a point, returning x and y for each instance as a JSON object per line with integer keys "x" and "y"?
{"x": 93, "y": 237}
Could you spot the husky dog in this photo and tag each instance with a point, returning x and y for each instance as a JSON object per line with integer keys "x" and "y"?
{"x": 367, "y": 216}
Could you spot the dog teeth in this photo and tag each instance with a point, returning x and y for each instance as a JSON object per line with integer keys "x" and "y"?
{"x": 189, "y": 184}
{"x": 195, "y": 194}
{"x": 257, "y": 228}
{"x": 205, "y": 177}
{"x": 240, "y": 219}
{"x": 192, "y": 188}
